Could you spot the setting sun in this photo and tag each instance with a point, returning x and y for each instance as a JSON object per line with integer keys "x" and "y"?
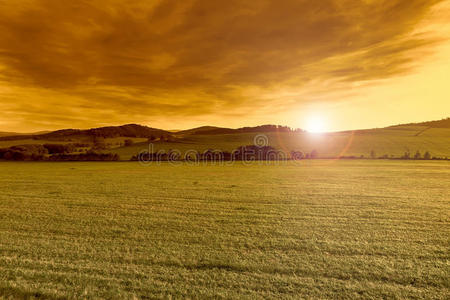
{"x": 316, "y": 124}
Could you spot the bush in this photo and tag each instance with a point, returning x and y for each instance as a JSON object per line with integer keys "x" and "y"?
{"x": 128, "y": 142}
{"x": 59, "y": 148}
{"x": 24, "y": 152}
{"x": 89, "y": 156}
{"x": 417, "y": 155}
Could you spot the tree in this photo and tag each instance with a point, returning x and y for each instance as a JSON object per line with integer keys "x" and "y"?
{"x": 417, "y": 155}
{"x": 297, "y": 155}
{"x": 59, "y": 148}
{"x": 99, "y": 143}
{"x": 373, "y": 154}
{"x": 128, "y": 142}
{"x": 427, "y": 155}
{"x": 314, "y": 154}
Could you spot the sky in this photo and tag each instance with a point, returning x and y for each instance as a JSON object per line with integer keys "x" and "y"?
{"x": 319, "y": 65}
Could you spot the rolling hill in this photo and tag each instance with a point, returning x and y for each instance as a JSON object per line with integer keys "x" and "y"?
{"x": 444, "y": 123}
{"x": 8, "y": 133}
{"x": 393, "y": 141}
{"x": 128, "y": 130}
{"x": 3, "y": 133}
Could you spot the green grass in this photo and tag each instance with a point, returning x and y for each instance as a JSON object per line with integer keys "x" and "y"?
{"x": 314, "y": 229}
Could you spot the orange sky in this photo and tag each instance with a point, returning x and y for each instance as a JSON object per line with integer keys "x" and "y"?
{"x": 177, "y": 64}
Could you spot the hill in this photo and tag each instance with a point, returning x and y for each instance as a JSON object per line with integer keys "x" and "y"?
{"x": 205, "y": 130}
{"x": 128, "y": 130}
{"x": 444, "y": 123}
{"x": 211, "y": 130}
{"x": 129, "y": 140}
{"x": 8, "y": 133}
{"x": 2, "y": 133}
{"x": 390, "y": 142}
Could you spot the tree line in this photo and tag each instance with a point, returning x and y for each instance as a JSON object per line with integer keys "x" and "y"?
{"x": 407, "y": 155}
{"x": 242, "y": 153}
{"x": 54, "y": 152}
{"x": 75, "y": 152}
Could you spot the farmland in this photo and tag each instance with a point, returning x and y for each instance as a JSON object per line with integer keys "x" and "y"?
{"x": 316, "y": 229}
{"x": 386, "y": 141}
{"x": 129, "y": 140}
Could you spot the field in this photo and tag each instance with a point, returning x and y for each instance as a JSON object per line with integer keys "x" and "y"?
{"x": 391, "y": 141}
{"x": 314, "y": 229}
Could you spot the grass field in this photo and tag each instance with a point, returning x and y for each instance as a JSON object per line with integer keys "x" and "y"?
{"x": 391, "y": 141}
{"x": 314, "y": 229}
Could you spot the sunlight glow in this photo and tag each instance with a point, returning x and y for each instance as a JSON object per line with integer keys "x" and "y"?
{"x": 316, "y": 124}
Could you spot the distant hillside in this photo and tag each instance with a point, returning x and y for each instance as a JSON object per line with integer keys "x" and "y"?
{"x": 129, "y": 130}
{"x": 2, "y": 133}
{"x": 8, "y": 133}
{"x": 383, "y": 142}
{"x": 220, "y": 130}
{"x": 129, "y": 140}
{"x": 444, "y": 123}
{"x": 205, "y": 130}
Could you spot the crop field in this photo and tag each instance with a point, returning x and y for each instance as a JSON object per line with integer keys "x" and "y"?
{"x": 309, "y": 229}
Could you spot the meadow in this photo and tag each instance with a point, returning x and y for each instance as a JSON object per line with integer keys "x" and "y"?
{"x": 393, "y": 141}
{"x": 309, "y": 229}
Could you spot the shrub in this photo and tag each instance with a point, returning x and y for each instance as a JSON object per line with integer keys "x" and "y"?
{"x": 59, "y": 148}
{"x": 128, "y": 142}
{"x": 417, "y": 155}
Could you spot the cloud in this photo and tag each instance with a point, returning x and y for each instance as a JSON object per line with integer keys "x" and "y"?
{"x": 198, "y": 57}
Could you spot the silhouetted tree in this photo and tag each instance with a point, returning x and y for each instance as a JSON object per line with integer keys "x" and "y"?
{"x": 297, "y": 155}
{"x": 59, "y": 148}
{"x": 99, "y": 143}
{"x": 24, "y": 152}
{"x": 417, "y": 155}
{"x": 427, "y": 155}
{"x": 373, "y": 154}
{"x": 128, "y": 142}
{"x": 89, "y": 156}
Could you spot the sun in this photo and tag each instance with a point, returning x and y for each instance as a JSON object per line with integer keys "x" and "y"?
{"x": 316, "y": 124}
